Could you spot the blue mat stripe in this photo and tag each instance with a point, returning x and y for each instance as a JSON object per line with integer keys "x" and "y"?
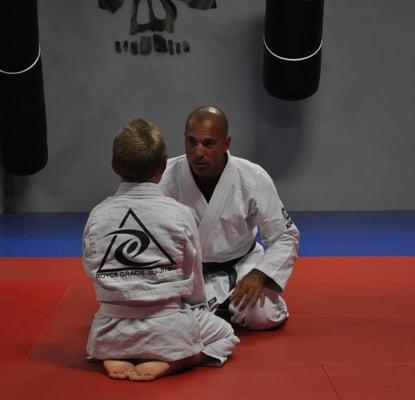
{"x": 357, "y": 233}
{"x": 322, "y": 234}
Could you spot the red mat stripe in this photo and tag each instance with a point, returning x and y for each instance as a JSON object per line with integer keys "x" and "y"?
{"x": 350, "y": 336}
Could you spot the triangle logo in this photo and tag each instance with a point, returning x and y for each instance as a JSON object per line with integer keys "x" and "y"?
{"x": 135, "y": 248}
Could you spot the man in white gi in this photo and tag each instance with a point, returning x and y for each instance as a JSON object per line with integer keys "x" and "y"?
{"x": 232, "y": 199}
{"x": 142, "y": 252}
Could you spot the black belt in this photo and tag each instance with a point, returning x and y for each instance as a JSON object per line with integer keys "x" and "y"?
{"x": 211, "y": 268}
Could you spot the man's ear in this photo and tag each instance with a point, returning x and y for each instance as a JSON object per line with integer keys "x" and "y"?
{"x": 227, "y": 142}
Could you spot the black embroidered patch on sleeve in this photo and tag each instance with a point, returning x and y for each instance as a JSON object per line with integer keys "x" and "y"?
{"x": 285, "y": 214}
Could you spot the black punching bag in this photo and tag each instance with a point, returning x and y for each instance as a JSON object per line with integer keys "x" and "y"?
{"x": 292, "y": 48}
{"x": 23, "y": 142}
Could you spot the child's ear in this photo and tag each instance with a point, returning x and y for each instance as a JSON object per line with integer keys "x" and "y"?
{"x": 163, "y": 166}
{"x": 114, "y": 167}
{"x": 159, "y": 171}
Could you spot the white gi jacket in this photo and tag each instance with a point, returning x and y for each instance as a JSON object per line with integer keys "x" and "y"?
{"x": 245, "y": 200}
{"x": 141, "y": 251}
{"x": 141, "y": 247}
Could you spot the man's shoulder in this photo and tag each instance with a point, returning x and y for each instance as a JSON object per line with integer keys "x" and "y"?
{"x": 175, "y": 162}
{"x": 245, "y": 162}
{"x": 249, "y": 170}
{"x": 171, "y": 175}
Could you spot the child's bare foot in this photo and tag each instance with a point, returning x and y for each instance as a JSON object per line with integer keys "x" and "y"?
{"x": 118, "y": 369}
{"x": 150, "y": 370}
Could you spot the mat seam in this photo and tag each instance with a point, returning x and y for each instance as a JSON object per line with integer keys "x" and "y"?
{"x": 330, "y": 381}
{"x": 53, "y": 317}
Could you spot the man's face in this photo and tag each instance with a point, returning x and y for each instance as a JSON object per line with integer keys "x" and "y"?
{"x": 206, "y": 146}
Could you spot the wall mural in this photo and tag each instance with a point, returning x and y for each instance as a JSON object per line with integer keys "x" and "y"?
{"x": 145, "y": 44}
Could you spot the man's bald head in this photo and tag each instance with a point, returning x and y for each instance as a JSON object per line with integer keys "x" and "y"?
{"x": 208, "y": 115}
{"x": 207, "y": 142}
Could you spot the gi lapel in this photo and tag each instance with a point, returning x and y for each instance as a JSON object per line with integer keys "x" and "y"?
{"x": 215, "y": 207}
{"x": 190, "y": 193}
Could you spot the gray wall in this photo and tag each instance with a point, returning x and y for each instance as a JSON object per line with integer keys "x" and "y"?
{"x": 349, "y": 147}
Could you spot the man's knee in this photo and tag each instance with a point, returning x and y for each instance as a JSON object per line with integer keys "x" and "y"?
{"x": 264, "y": 319}
{"x": 260, "y": 318}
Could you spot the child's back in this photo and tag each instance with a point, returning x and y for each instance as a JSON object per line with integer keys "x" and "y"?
{"x": 142, "y": 247}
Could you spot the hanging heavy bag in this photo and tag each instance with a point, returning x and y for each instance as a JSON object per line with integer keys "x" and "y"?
{"x": 292, "y": 48}
{"x": 23, "y": 141}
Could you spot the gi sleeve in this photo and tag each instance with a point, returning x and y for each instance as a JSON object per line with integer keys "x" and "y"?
{"x": 278, "y": 233}
{"x": 91, "y": 257}
{"x": 192, "y": 263}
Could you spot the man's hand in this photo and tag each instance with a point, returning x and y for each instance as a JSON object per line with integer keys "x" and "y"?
{"x": 249, "y": 290}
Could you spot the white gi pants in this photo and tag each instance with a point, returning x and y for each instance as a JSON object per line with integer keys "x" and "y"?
{"x": 119, "y": 332}
{"x": 274, "y": 312}
{"x": 218, "y": 338}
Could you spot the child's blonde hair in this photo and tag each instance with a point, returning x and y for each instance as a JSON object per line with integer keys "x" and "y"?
{"x": 138, "y": 151}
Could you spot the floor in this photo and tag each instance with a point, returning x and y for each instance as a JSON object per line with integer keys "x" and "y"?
{"x": 350, "y": 335}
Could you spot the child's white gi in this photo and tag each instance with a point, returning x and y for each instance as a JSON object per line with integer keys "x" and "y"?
{"x": 142, "y": 252}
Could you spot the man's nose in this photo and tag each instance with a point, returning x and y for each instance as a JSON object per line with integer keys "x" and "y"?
{"x": 199, "y": 150}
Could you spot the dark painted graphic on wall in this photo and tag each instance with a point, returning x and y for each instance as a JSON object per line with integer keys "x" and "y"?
{"x": 148, "y": 10}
